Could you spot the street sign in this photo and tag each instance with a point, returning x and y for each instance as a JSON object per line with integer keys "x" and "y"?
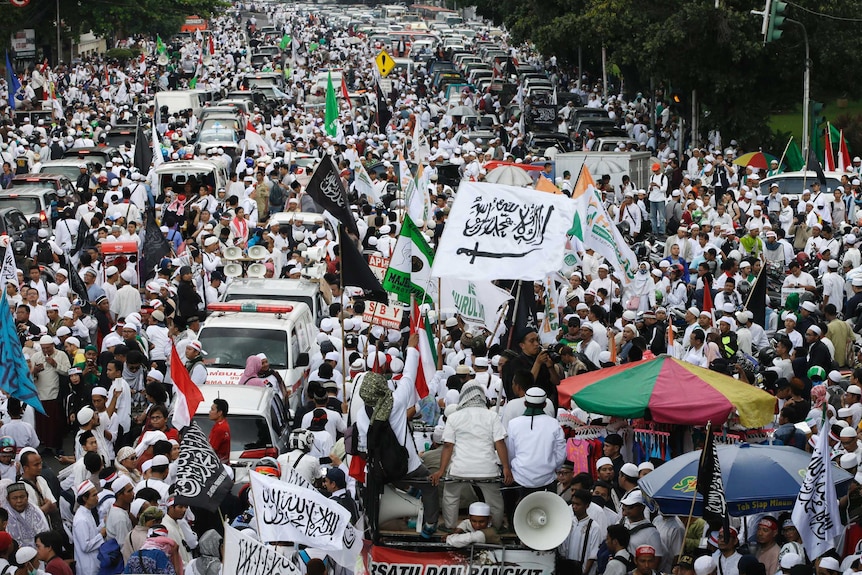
{"x": 385, "y": 63}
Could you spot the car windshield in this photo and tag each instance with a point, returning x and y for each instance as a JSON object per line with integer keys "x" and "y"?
{"x": 217, "y": 134}
{"x": 246, "y": 431}
{"x": 230, "y": 347}
{"x": 71, "y": 172}
{"x": 34, "y": 181}
{"x": 27, "y": 205}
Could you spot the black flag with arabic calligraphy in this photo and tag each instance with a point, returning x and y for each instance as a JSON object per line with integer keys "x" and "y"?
{"x": 711, "y": 487}
{"x": 202, "y": 480}
{"x": 327, "y": 190}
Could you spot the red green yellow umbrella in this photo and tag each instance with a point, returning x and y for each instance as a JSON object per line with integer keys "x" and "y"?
{"x": 668, "y": 390}
{"x": 755, "y": 160}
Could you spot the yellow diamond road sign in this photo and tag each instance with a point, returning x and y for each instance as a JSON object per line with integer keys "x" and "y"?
{"x": 385, "y": 63}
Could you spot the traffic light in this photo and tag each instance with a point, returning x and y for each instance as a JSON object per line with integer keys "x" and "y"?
{"x": 817, "y": 115}
{"x": 776, "y": 20}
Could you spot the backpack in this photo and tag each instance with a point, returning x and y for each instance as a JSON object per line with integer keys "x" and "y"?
{"x": 44, "y": 253}
{"x": 276, "y": 196}
{"x": 387, "y": 458}
{"x": 110, "y": 558}
{"x": 603, "y": 556}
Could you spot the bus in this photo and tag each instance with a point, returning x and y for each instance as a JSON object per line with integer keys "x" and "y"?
{"x": 193, "y": 24}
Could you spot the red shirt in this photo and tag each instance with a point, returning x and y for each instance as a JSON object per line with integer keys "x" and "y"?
{"x": 220, "y": 440}
{"x": 57, "y": 566}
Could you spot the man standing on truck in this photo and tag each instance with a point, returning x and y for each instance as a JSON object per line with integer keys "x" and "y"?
{"x": 657, "y": 199}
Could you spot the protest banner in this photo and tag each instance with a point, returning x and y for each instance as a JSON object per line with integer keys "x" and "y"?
{"x": 246, "y": 556}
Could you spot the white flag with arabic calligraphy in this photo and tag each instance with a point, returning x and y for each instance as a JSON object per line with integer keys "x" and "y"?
{"x": 503, "y": 232}
{"x": 815, "y": 513}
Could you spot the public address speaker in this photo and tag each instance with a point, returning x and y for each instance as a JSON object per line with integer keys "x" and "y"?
{"x": 543, "y": 520}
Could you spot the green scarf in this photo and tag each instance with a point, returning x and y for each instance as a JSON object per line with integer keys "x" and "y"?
{"x": 376, "y": 393}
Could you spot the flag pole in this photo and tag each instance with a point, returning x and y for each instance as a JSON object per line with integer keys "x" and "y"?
{"x": 751, "y": 290}
{"x": 784, "y": 153}
{"x": 439, "y": 310}
{"x": 694, "y": 496}
{"x": 514, "y": 316}
{"x": 341, "y": 234}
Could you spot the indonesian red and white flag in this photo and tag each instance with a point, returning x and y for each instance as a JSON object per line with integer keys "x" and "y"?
{"x": 427, "y": 357}
{"x": 188, "y": 395}
{"x": 255, "y": 140}
{"x": 828, "y": 155}
{"x": 212, "y": 46}
{"x": 344, "y": 93}
{"x": 844, "y": 162}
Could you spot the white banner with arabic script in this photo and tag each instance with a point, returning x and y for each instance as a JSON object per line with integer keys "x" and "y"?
{"x": 246, "y": 556}
{"x": 503, "y": 232}
{"x": 815, "y": 513}
{"x": 287, "y": 512}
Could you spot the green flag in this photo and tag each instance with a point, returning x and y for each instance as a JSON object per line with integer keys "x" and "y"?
{"x": 793, "y": 158}
{"x": 193, "y": 83}
{"x": 410, "y": 266}
{"x": 331, "y": 108}
{"x": 160, "y": 46}
{"x": 285, "y": 42}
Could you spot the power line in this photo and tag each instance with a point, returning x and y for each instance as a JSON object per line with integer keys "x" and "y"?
{"x": 824, "y": 15}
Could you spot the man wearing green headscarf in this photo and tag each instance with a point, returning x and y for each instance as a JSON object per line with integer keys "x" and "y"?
{"x": 390, "y": 401}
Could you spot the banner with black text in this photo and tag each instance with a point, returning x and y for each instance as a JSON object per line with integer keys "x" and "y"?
{"x": 503, "y": 232}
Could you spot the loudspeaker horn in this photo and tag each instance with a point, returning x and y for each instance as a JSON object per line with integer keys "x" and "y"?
{"x": 257, "y": 270}
{"x": 543, "y": 520}
{"x": 258, "y": 253}
{"x": 207, "y": 60}
{"x": 233, "y": 270}
{"x": 233, "y": 253}
{"x": 163, "y": 60}
{"x": 396, "y": 504}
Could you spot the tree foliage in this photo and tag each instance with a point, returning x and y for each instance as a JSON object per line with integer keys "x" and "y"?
{"x": 692, "y": 45}
{"x": 114, "y": 19}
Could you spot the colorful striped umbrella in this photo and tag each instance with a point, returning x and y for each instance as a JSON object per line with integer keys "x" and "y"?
{"x": 668, "y": 390}
{"x": 755, "y": 160}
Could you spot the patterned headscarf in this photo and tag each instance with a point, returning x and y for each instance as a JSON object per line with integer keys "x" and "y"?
{"x": 472, "y": 395}
{"x": 819, "y": 396}
{"x": 376, "y": 393}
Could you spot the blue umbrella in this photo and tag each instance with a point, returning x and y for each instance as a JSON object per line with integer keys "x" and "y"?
{"x": 757, "y": 479}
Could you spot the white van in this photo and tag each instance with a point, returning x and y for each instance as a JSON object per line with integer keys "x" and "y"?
{"x": 177, "y": 101}
{"x": 281, "y": 290}
{"x": 178, "y": 173}
{"x": 284, "y": 331}
{"x": 258, "y": 424}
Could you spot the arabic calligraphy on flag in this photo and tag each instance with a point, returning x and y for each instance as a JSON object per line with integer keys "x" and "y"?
{"x": 496, "y": 231}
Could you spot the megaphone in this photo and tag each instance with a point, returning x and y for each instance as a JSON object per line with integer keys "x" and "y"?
{"x": 258, "y": 252}
{"x": 207, "y": 60}
{"x": 233, "y": 253}
{"x": 396, "y": 504}
{"x": 162, "y": 60}
{"x": 233, "y": 270}
{"x": 543, "y": 520}
{"x": 257, "y": 270}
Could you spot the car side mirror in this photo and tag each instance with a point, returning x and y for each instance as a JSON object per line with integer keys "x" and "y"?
{"x": 301, "y": 360}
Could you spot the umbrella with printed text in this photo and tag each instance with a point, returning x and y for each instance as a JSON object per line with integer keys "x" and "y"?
{"x": 756, "y": 479}
{"x": 667, "y": 390}
{"x": 755, "y": 160}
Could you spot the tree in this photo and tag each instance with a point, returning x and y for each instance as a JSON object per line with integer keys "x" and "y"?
{"x": 693, "y": 46}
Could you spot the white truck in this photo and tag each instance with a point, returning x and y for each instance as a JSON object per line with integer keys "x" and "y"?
{"x": 615, "y": 164}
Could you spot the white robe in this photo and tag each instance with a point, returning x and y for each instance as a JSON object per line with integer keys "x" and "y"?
{"x": 87, "y": 539}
